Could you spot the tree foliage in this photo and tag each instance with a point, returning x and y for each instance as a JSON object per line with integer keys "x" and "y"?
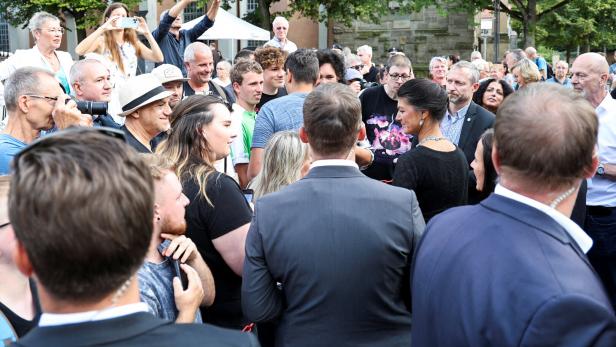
{"x": 349, "y": 10}
{"x": 87, "y": 13}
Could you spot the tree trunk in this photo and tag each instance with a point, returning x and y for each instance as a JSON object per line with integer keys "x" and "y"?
{"x": 264, "y": 9}
{"x": 330, "y": 32}
{"x": 530, "y": 24}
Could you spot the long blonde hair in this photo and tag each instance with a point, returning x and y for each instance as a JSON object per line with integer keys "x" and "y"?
{"x": 186, "y": 146}
{"x": 130, "y": 36}
{"x": 284, "y": 157}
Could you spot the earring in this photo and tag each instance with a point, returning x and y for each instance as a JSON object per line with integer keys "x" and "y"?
{"x": 421, "y": 122}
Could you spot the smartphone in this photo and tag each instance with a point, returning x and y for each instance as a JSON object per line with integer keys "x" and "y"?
{"x": 128, "y": 23}
{"x": 248, "y": 194}
{"x": 180, "y": 274}
{"x": 176, "y": 264}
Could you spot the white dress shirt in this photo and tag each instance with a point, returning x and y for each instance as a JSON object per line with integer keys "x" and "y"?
{"x": 577, "y": 234}
{"x": 53, "y": 319}
{"x": 333, "y": 162}
{"x": 602, "y": 190}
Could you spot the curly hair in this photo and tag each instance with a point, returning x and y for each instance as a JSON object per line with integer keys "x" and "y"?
{"x": 483, "y": 86}
{"x": 269, "y": 57}
{"x": 327, "y": 56}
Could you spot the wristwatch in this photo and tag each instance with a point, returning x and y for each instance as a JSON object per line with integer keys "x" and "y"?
{"x": 601, "y": 169}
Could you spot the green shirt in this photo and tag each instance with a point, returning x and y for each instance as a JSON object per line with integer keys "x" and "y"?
{"x": 240, "y": 148}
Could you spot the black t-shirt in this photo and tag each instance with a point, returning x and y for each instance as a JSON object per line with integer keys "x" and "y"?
{"x": 385, "y": 134}
{"x": 20, "y": 325}
{"x": 206, "y": 222}
{"x": 213, "y": 89}
{"x": 267, "y": 97}
{"x": 439, "y": 179}
{"x": 133, "y": 142}
{"x": 371, "y": 75}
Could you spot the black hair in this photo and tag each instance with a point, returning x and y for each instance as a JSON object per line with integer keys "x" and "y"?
{"x": 425, "y": 95}
{"x": 489, "y": 175}
{"x": 483, "y": 86}
{"x": 327, "y": 56}
{"x": 304, "y": 65}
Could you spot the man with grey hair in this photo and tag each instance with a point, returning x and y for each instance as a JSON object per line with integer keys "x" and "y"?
{"x": 34, "y": 102}
{"x": 513, "y": 268}
{"x": 280, "y": 26}
{"x": 438, "y": 70}
{"x": 542, "y": 65}
{"x": 173, "y": 40}
{"x": 560, "y": 74}
{"x": 368, "y": 70}
{"x": 512, "y": 58}
{"x": 465, "y": 121}
{"x": 199, "y": 63}
{"x": 589, "y": 77}
{"x": 284, "y": 113}
{"x": 475, "y": 55}
{"x": 90, "y": 81}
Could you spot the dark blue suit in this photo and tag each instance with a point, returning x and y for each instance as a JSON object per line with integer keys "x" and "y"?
{"x": 502, "y": 273}
{"x": 341, "y": 245}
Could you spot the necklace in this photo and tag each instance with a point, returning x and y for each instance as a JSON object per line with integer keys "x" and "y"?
{"x": 431, "y": 138}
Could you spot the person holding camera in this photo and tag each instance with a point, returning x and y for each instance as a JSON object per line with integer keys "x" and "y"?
{"x": 171, "y": 252}
{"x": 116, "y": 40}
{"x": 90, "y": 80}
{"x": 34, "y": 102}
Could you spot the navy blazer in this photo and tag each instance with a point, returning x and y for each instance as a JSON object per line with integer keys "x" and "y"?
{"x": 476, "y": 121}
{"x": 341, "y": 245}
{"x": 502, "y": 273}
{"x": 135, "y": 330}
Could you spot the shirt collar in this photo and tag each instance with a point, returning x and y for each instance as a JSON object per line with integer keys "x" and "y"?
{"x": 461, "y": 113}
{"x": 333, "y": 162}
{"x": 608, "y": 104}
{"x": 53, "y": 319}
{"x": 576, "y": 233}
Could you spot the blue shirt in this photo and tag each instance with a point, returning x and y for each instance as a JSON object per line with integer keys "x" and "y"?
{"x": 9, "y": 147}
{"x": 541, "y": 64}
{"x": 173, "y": 49}
{"x": 451, "y": 126}
{"x": 566, "y": 83}
{"x": 285, "y": 113}
{"x": 613, "y": 69}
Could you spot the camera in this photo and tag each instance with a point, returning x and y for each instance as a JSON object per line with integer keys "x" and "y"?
{"x": 98, "y": 108}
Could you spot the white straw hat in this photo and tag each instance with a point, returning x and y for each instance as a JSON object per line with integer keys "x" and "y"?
{"x": 139, "y": 91}
{"x": 168, "y": 73}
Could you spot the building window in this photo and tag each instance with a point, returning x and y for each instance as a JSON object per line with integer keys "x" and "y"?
{"x": 4, "y": 35}
{"x": 192, "y": 11}
{"x": 251, "y": 5}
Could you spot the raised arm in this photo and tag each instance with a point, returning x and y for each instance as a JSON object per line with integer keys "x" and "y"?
{"x": 92, "y": 43}
{"x": 153, "y": 53}
{"x": 204, "y": 24}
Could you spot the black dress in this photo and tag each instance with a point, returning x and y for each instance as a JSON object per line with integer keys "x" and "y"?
{"x": 439, "y": 179}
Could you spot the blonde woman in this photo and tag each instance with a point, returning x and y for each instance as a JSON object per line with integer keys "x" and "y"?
{"x": 285, "y": 161}
{"x": 119, "y": 48}
{"x": 525, "y": 72}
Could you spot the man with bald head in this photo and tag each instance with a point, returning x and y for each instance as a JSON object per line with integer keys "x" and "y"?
{"x": 199, "y": 63}
{"x": 542, "y": 65}
{"x": 590, "y": 74}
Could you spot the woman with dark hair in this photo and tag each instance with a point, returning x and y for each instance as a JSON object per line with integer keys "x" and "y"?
{"x": 331, "y": 66}
{"x": 491, "y": 94}
{"x": 435, "y": 168}
{"x": 218, "y": 216}
{"x": 482, "y": 165}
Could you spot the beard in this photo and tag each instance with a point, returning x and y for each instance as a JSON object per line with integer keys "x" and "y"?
{"x": 176, "y": 229}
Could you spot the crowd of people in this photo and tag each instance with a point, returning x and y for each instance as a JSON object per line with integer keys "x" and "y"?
{"x": 302, "y": 197}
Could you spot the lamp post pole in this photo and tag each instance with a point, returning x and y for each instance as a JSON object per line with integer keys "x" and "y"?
{"x": 496, "y": 30}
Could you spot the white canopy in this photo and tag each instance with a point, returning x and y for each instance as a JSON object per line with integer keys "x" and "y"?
{"x": 228, "y": 26}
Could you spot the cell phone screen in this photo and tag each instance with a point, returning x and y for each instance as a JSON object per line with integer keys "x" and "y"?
{"x": 128, "y": 22}
{"x": 248, "y": 194}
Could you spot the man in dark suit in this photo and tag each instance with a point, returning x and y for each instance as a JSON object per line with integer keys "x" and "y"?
{"x": 339, "y": 243}
{"x": 512, "y": 271}
{"x": 81, "y": 208}
{"x": 465, "y": 121}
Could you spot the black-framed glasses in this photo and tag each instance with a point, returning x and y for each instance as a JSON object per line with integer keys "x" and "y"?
{"x": 357, "y": 67}
{"x": 396, "y": 76}
{"x": 52, "y": 98}
{"x": 4, "y": 225}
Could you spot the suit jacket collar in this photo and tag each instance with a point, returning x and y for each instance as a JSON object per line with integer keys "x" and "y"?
{"x": 333, "y": 172}
{"x": 533, "y": 217}
{"x": 468, "y": 120}
{"x": 94, "y": 332}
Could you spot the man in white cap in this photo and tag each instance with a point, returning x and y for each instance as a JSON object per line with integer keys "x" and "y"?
{"x": 172, "y": 79}
{"x": 145, "y": 104}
